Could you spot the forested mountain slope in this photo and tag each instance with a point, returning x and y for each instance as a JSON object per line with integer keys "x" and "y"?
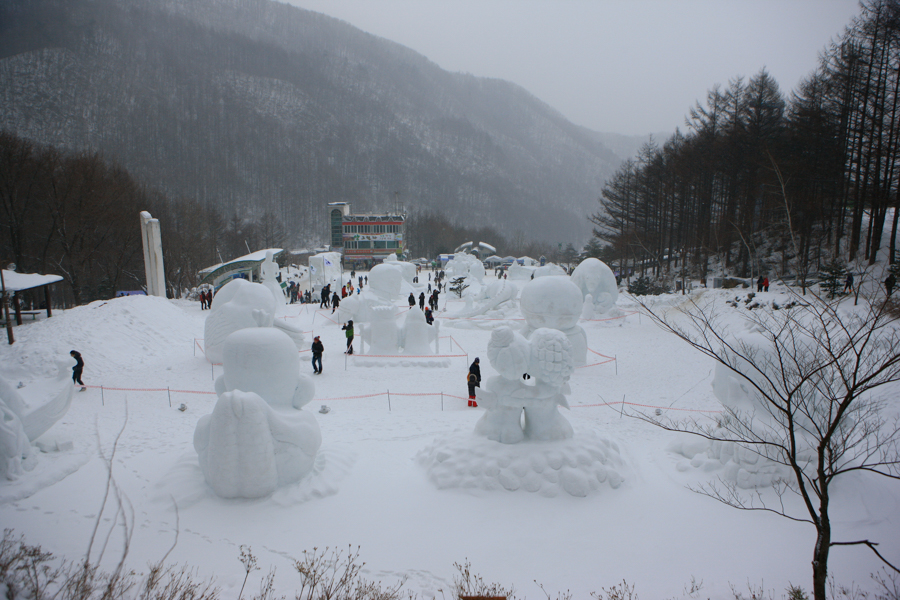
{"x": 252, "y": 105}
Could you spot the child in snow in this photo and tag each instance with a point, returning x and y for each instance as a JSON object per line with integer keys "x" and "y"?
{"x": 77, "y": 369}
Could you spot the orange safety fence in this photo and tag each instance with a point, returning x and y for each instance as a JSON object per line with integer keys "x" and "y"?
{"x": 388, "y": 393}
{"x": 622, "y": 402}
{"x": 609, "y": 359}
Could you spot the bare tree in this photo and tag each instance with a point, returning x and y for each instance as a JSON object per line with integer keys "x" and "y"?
{"x": 814, "y": 371}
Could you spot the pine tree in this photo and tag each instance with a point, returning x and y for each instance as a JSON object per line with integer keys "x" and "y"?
{"x": 458, "y": 285}
{"x": 832, "y": 278}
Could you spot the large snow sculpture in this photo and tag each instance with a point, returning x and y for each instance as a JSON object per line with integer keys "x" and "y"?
{"x": 593, "y": 277}
{"x": 555, "y": 302}
{"x": 246, "y": 448}
{"x": 20, "y": 424}
{"x": 268, "y": 272}
{"x": 547, "y": 357}
{"x": 240, "y": 304}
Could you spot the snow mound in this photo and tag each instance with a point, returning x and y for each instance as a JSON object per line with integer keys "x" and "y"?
{"x": 184, "y": 483}
{"x": 579, "y": 466}
{"x": 146, "y": 328}
{"x": 729, "y": 461}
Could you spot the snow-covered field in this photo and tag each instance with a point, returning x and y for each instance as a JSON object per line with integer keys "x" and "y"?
{"x": 372, "y": 486}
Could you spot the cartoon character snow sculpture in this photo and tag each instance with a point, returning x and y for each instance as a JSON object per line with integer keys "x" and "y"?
{"x": 257, "y": 438}
{"x": 268, "y": 271}
{"x": 240, "y": 304}
{"x": 555, "y": 302}
{"x": 594, "y": 278}
{"x": 21, "y": 424}
{"x": 547, "y": 358}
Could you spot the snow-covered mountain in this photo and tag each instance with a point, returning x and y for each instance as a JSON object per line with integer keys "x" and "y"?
{"x": 253, "y": 105}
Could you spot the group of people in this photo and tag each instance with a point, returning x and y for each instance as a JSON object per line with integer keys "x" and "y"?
{"x": 206, "y": 298}
{"x": 762, "y": 284}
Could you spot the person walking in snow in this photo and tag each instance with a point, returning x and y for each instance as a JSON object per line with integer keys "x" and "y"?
{"x": 848, "y": 284}
{"x": 412, "y": 300}
{"x": 473, "y": 379}
{"x": 766, "y": 284}
{"x": 422, "y": 301}
{"x": 759, "y": 284}
{"x": 429, "y": 316}
{"x": 348, "y": 329}
{"x": 317, "y": 349}
{"x": 77, "y": 369}
{"x": 335, "y": 302}
{"x": 889, "y": 284}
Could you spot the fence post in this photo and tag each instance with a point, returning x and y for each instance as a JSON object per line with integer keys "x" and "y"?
{"x": 617, "y": 363}
{"x": 212, "y": 371}
{"x": 195, "y": 346}
{"x": 389, "y": 400}
{"x": 622, "y": 410}
{"x": 442, "y": 400}
{"x": 102, "y": 400}
{"x": 170, "y": 396}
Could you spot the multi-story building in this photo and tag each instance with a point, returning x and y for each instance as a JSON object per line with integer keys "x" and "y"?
{"x": 365, "y": 240}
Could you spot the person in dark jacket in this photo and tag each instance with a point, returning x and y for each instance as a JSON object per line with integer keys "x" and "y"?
{"x": 474, "y": 380}
{"x": 348, "y": 328}
{"x": 429, "y": 316}
{"x": 889, "y": 284}
{"x": 77, "y": 369}
{"x": 422, "y": 301}
{"x": 317, "y": 350}
{"x": 412, "y": 300}
{"x": 335, "y": 302}
{"x": 759, "y": 284}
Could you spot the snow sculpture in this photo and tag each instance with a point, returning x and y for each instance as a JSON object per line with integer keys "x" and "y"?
{"x": 325, "y": 268}
{"x": 381, "y": 332}
{"x": 264, "y": 360}
{"x": 240, "y": 304}
{"x": 407, "y": 270}
{"x": 742, "y": 466}
{"x": 384, "y": 283}
{"x": 416, "y": 336}
{"x": 555, "y": 302}
{"x": 549, "y": 270}
{"x": 21, "y": 425}
{"x": 246, "y": 447}
{"x": 465, "y": 265}
{"x": 268, "y": 271}
{"x": 547, "y": 357}
{"x": 492, "y": 296}
{"x": 593, "y": 277}
{"x": 517, "y": 272}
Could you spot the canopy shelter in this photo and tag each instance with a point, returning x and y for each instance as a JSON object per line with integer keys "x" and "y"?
{"x": 246, "y": 267}
{"x": 493, "y": 261}
{"x": 13, "y": 283}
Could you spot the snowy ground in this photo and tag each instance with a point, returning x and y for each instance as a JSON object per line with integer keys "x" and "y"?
{"x": 371, "y": 486}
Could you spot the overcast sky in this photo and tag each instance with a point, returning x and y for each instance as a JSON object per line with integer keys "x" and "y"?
{"x": 623, "y": 66}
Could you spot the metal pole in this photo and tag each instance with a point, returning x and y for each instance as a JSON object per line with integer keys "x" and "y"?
{"x": 212, "y": 371}
{"x": 5, "y": 297}
{"x": 389, "y": 400}
{"x": 616, "y": 360}
{"x": 195, "y": 346}
{"x": 102, "y": 401}
{"x": 170, "y": 396}
{"x": 622, "y": 410}
{"x": 442, "y": 400}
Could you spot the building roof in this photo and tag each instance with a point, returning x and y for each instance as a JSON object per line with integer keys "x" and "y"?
{"x": 16, "y": 282}
{"x": 258, "y": 256}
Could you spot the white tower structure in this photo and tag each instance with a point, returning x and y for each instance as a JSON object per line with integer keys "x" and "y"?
{"x": 153, "y": 256}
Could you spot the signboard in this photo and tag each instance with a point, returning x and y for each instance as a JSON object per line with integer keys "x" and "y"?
{"x": 373, "y": 237}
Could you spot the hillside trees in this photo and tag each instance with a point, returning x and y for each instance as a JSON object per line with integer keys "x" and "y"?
{"x": 76, "y": 215}
{"x": 813, "y": 175}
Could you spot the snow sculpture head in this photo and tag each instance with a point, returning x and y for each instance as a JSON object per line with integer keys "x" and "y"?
{"x": 268, "y": 271}
{"x": 553, "y": 302}
{"x": 547, "y": 357}
{"x": 384, "y": 282}
{"x": 264, "y": 360}
{"x": 238, "y": 305}
{"x": 416, "y": 335}
{"x": 593, "y": 277}
{"x": 549, "y": 270}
